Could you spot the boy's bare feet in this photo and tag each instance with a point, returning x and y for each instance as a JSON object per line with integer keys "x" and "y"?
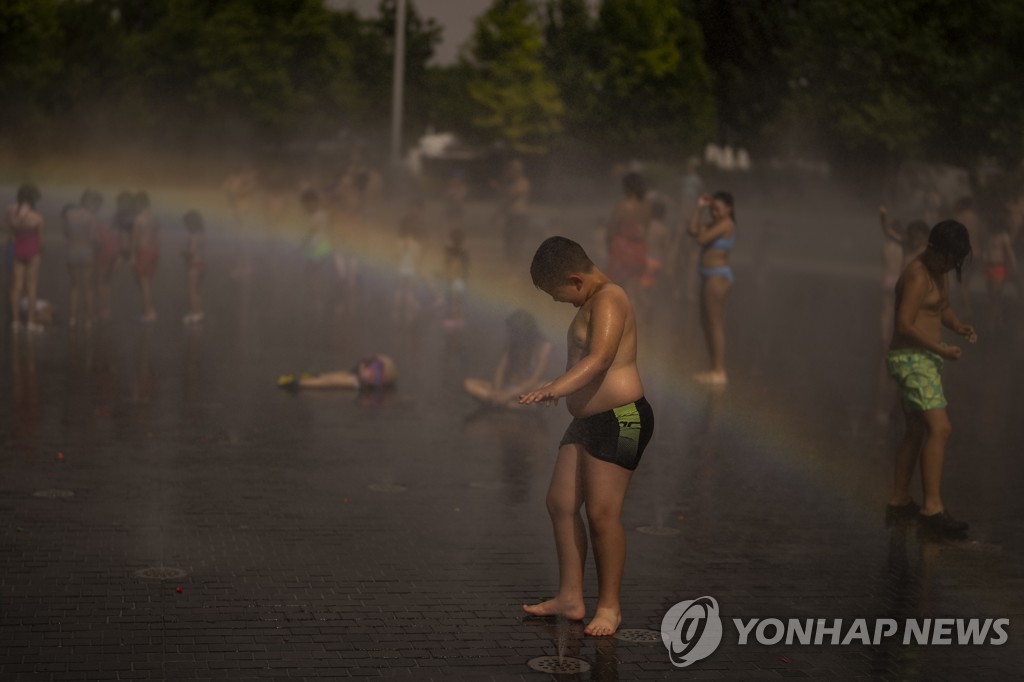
{"x": 568, "y": 608}
{"x": 604, "y": 623}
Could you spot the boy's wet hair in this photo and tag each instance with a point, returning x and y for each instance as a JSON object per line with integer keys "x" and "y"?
{"x": 950, "y": 238}
{"x": 29, "y": 194}
{"x": 557, "y": 258}
{"x": 193, "y": 221}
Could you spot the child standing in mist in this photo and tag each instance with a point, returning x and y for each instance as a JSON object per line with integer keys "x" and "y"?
{"x": 79, "y": 223}
{"x": 107, "y": 246}
{"x": 1000, "y": 266}
{"x": 410, "y": 251}
{"x": 915, "y": 359}
{"x": 195, "y": 264}
{"x": 716, "y": 240}
{"x": 456, "y": 272}
{"x": 145, "y": 253}
{"x": 28, "y": 237}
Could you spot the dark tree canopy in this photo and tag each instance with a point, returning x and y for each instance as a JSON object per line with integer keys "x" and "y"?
{"x": 876, "y": 81}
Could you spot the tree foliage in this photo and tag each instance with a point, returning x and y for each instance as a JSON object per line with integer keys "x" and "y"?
{"x": 875, "y": 80}
{"x": 910, "y": 79}
{"x": 569, "y": 54}
{"x": 422, "y": 36}
{"x": 744, "y": 42}
{"x": 517, "y": 101}
{"x": 655, "y": 89}
{"x": 29, "y": 30}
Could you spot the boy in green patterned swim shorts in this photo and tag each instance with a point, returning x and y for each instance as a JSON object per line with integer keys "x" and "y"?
{"x": 915, "y": 359}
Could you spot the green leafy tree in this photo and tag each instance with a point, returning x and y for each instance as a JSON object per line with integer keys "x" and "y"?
{"x": 744, "y": 44}
{"x": 29, "y": 47}
{"x": 449, "y": 106}
{"x": 516, "y": 100}
{"x": 422, "y": 36}
{"x": 92, "y": 57}
{"x": 571, "y": 46}
{"x": 910, "y": 79}
{"x": 655, "y": 89}
{"x": 233, "y": 69}
{"x": 277, "y": 65}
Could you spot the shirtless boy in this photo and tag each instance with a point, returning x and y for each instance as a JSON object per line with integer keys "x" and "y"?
{"x": 612, "y": 424}
{"x": 145, "y": 253}
{"x": 915, "y": 357}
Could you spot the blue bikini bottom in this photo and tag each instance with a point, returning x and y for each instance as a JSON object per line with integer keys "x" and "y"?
{"x": 723, "y": 271}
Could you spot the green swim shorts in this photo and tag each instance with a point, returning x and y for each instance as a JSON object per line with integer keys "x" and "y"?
{"x": 917, "y": 372}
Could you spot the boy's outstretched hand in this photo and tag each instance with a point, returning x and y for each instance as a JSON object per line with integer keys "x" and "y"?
{"x": 541, "y": 395}
{"x": 967, "y": 331}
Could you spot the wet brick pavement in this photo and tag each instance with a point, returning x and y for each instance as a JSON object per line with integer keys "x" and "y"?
{"x": 333, "y": 536}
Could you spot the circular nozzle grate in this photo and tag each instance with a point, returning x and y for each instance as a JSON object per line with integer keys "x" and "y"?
{"x": 556, "y": 665}
{"x": 638, "y": 636}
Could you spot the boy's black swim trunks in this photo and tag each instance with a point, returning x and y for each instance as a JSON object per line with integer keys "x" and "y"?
{"x": 618, "y": 436}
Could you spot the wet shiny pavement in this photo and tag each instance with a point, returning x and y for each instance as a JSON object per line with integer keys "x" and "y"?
{"x": 332, "y": 535}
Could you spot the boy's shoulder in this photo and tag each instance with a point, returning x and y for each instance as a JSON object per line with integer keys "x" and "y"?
{"x": 611, "y": 293}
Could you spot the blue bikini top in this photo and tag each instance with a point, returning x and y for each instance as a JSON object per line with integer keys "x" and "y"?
{"x": 722, "y": 243}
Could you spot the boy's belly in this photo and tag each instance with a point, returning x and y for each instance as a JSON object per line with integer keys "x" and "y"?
{"x": 618, "y": 387}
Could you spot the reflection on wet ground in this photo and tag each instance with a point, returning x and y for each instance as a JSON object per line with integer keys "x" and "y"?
{"x": 398, "y": 532}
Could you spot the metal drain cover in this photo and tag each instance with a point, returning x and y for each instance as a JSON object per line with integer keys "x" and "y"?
{"x": 486, "y": 485}
{"x": 54, "y": 494}
{"x": 639, "y": 636}
{"x": 658, "y": 530}
{"x": 387, "y": 488}
{"x": 559, "y": 665}
{"x": 160, "y": 573}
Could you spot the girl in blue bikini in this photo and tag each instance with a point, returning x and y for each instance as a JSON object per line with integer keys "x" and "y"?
{"x": 716, "y": 239}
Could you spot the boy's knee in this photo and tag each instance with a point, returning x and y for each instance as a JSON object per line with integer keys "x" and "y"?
{"x": 600, "y": 517}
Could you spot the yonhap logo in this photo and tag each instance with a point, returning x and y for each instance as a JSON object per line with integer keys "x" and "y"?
{"x": 691, "y": 630}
